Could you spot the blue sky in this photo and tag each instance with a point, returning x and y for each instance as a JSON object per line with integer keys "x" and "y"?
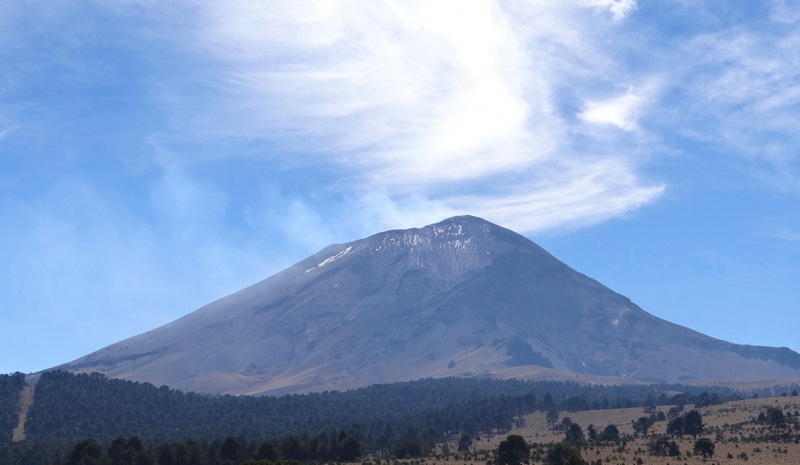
{"x": 155, "y": 156}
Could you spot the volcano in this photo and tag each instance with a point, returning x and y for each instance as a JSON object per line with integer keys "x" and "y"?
{"x": 463, "y": 297}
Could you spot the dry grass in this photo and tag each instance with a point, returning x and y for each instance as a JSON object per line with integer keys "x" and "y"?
{"x": 729, "y": 425}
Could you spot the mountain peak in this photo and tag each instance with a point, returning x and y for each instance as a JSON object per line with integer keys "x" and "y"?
{"x": 455, "y": 226}
{"x": 444, "y": 251}
{"x": 461, "y": 297}
{"x": 468, "y": 224}
{"x": 462, "y": 229}
{"x": 465, "y": 220}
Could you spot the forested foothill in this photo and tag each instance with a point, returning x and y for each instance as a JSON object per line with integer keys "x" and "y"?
{"x": 69, "y": 406}
{"x": 110, "y": 421}
{"x": 10, "y": 390}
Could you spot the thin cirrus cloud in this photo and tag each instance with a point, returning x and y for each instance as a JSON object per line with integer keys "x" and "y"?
{"x": 594, "y": 193}
{"x": 785, "y": 234}
{"x": 743, "y": 84}
{"x": 439, "y": 99}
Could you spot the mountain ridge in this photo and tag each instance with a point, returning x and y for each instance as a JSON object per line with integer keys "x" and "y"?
{"x": 460, "y": 297}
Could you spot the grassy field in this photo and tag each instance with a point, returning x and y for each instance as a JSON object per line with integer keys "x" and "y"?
{"x": 731, "y": 426}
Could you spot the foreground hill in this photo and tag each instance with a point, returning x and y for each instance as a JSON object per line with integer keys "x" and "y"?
{"x": 739, "y": 437}
{"x": 462, "y": 297}
{"x": 69, "y": 406}
{"x": 403, "y": 420}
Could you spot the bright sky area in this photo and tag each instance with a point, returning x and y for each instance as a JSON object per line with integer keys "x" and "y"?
{"x": 155, "y": 156}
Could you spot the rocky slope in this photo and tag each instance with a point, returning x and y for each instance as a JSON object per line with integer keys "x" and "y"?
{"x": 460, "y": 297}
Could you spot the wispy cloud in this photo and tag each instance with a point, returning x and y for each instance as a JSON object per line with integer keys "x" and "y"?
{"x": 619, "y": 111}
{"x": 618, "y": 8}
{"x": 743, "y": 83}
{"x": 406, "y": 99}
{"x": 397, "y": 92}
{"x": 589, "y": 194}
{"x": 785, "y": 234}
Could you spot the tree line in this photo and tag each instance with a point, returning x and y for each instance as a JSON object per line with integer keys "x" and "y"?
{"x": 69, "y": 406}
{"x": 326, "y": 446}
{"x": 10, "y": 390}
{"x": 334, "y": 445}
{"x": 399, "y": 419}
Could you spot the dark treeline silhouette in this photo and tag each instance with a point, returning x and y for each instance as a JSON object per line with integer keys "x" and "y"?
{"x": 69, "y": 406}
{"x": 400, "y": 419}
{"x": 777, "y": 390}
{"x": 329, "y": 445}
{"x": 10, "y": 389}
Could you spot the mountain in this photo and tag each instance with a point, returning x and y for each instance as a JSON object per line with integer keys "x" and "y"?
{"x": 463, "y": 297}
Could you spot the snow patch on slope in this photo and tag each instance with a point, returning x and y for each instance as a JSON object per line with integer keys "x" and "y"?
{"x": 330, "y": 259}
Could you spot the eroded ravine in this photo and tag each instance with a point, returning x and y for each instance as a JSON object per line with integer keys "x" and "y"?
{"x": 25, "y": 402}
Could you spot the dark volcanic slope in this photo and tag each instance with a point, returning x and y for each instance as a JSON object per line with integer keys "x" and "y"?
{"x": 461, "y": 297}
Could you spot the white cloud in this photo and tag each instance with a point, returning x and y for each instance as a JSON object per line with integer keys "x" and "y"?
{"x": 622, "y": 111}
{"x": 413, "y": 98}
{"x": 585, "y": 195}
{"x": 618, "y": 8}
{"x": 406, "y": 93}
